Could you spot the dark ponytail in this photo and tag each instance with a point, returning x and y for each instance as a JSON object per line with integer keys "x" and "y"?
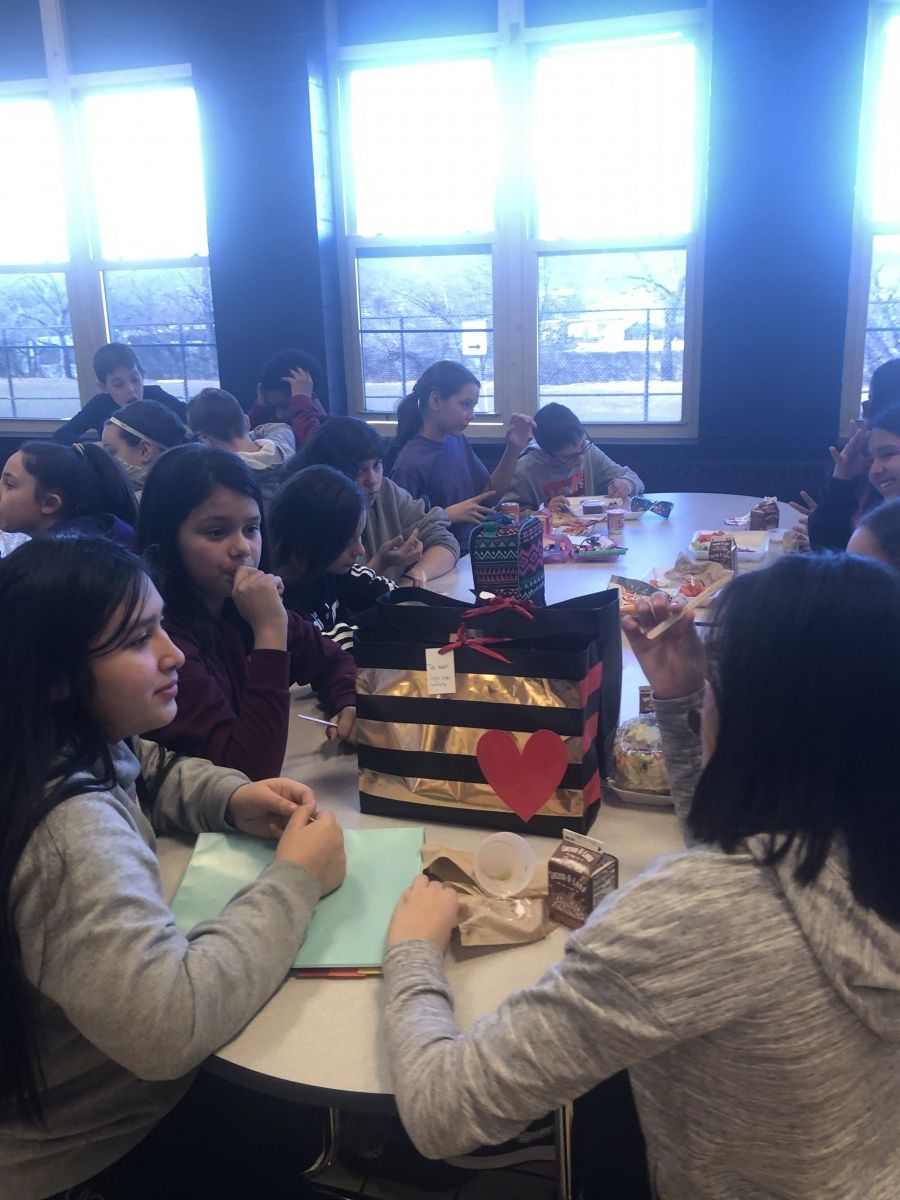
{"x": 87, "y": 480}
{"x": 444, "y": 377}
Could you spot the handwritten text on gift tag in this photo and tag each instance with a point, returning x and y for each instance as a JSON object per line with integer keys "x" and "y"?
{"x": 440, "y": 672}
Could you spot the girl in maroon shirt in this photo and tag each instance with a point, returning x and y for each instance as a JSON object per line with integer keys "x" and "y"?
{"x": 201, "y": 528}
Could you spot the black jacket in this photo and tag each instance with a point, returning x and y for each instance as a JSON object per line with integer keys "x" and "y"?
{"x": 101, "y": 407}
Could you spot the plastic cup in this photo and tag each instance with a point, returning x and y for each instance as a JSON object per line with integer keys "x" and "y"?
{"x": 615, "y": 522}
{"x": 504, "y": 864}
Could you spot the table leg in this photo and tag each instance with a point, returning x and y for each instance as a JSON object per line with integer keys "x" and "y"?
{"x": 563, "y": 1122}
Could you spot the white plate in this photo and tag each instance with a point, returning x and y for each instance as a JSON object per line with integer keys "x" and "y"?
{"x": 750, "y": 544}
{"x": 607, "y": 502}
{"x": 645, "y": 799}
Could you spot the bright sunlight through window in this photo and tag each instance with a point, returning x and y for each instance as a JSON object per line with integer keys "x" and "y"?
{"x": 613, "y": 139}
{"x": 885, "y": 160}
{"x": 32, "y": 209}
{"x": 146, "y": 171}
{"x": 424, "y": 147}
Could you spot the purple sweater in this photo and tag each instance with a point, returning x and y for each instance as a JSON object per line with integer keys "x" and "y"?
{"x": 442, "y": 473}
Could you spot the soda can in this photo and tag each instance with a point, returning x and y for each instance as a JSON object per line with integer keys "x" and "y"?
{"x": 615, "y": 522}
{"x": 512, "y": 510}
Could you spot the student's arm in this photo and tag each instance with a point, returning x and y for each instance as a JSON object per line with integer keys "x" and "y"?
{"x": 254, "y": 738}
{"x": 831, "y": 523}
{"x": 432, "y": 565}
{"x": 319, "y": 662}
{"x": 675, "y": 955}
{"x": 94, "y": 415}
{"x": 186, "y": 794}
{"x": 606, "y": 472}
{"x": 98, "y": 939}
{"x": 518, "y": 435}
{"x": 525, "y": 488}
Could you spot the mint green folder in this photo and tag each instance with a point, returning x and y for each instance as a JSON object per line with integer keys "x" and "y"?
{"x": 348, "y": 927}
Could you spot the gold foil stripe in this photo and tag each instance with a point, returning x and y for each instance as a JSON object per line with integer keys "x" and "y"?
{"x": 487, "y": 689}
{"x": 441, "y": 739}
{"x": 441, "y": 793}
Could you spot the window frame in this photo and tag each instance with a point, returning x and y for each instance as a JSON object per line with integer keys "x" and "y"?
{"x": 515, "y": 249}
{"x": 865, "y": 228}
{"x": 84, "y": 270}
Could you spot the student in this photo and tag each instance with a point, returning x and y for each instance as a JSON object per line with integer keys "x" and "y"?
{"x": 49, "y": 489}
{"x": 201, "y": 527}
{"x": 866, "y": 471}
{"x": 403, "y": 538}
{"x": 136, "y": 435}
{"x": 316, "y": 523}
{"x": 751, "y": 984}
{"x": 108, "y": 1010}
{"x": 566, "y": 463}
{"x": 122, "y": 378}
{"x": 878, "y": 534}
{"x": 287, "y": 391}
{"x": 435, "y": 460}
{"x": 217, "y": 419}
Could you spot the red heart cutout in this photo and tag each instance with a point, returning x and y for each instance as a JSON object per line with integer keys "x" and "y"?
{"x": 524, "y": 781}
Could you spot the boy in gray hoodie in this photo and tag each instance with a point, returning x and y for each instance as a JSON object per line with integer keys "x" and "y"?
{"x": 565, "y": 462}
{"x": 217, "y": 418}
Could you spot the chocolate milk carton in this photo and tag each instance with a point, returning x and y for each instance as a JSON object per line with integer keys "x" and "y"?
{"x": 580, "y": 873}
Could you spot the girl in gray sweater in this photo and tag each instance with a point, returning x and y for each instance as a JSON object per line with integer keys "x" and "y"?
{"x": 108, "y": 1010}
{"x": 750, "y": 984}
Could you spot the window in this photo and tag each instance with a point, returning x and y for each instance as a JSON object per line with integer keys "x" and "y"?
{"x": 527, "y": 204}
{"x": 873, "y": 332}
{"x": 103, "y": 238}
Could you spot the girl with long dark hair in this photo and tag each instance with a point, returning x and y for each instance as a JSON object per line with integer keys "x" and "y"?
{"x": 202, "y": 528}
{"x": 107, "y": 1010}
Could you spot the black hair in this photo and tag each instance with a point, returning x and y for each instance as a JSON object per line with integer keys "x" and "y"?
{"x": 180, "y": 481}
{"x": 274, "y": 369}
{"x": 883, "y": 523}
{"x": 884, "y": 386}
{"x": 556, "y": 426}
{"x": 87, "y": 480}
{"x": 806, "y": 721}
{"x": 57, "y": 599}
{"x": 111, "y": 357}
{"x": 887, "y": 419}
{"x": 218, "y": 414}
{"x": 344, "y": 443}
{"x": 312, "y": 518}
{"x": 154, "y": 421}
{"x": 444, "y": 377}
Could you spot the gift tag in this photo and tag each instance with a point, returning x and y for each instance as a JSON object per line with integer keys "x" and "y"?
{"x": 440, "y": 672}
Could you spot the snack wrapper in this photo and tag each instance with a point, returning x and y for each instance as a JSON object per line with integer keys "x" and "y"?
{"x": 662, "y": 508}
{"x": 490, "y": 920}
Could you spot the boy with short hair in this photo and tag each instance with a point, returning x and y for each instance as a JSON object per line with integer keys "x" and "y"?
{"x": 565, "y": 463}
{"x": 122, "y": 378}
{"x": 286, "y": 391}
{"x": 217, "y": 418}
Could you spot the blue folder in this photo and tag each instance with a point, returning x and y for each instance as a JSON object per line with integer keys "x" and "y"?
{"x": 348, "y": 927}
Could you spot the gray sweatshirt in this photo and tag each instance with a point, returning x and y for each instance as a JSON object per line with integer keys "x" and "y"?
{"x": 395, "y": 512}
{"x": 539, "y": 477}
{"x": 276, "y": 443}
{"x": 760, "y": 1022}
{"x": 127, "y": 1007}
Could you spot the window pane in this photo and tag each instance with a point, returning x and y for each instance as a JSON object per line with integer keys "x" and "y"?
{"x": 883, "y": 323}
{"x": 32, "y": 209}
{"x": 424, "y": 147}
{"x": 885, "y": 161}
{"x": 37, "y": 363}
{"x": 166, "y": 314}
{"x": 416, "y": 310}
{"x": 146, "y": 170}
{"x": 611, "y": 334}
{"x": 613, "y": 140}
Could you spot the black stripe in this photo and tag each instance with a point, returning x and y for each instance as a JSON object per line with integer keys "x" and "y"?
{"x": 462, "y": 768}
{"x": 434, "y": 814}
{"x": 470, "y": 714}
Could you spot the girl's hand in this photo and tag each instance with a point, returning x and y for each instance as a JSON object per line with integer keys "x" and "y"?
{"x": 426, "y": 910}
{"x": 620, "y": 488}
{"x": 317, "y": 843}
{"x": 853, "y": 460}
{"x": 470, "y": 512}
{"x": 263, "y": 809}
{"x": 413, "y": 577}
{"x": 674, "y": 663}
{"x": 345, "y": 728}
{"x": 807, "y": 508}
{"x": 258, "y": 600}
{"x": 398, "y": 552}
{"x": 518, "y": 435}
{"x": 300, "y": 381}
{"x": 559, "y": 504}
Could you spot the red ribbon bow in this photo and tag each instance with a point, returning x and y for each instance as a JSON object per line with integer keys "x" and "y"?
{"x": 466, "y": 638}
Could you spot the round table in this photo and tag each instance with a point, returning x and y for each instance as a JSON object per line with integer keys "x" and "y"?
{"x": 318, "y": 1041}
